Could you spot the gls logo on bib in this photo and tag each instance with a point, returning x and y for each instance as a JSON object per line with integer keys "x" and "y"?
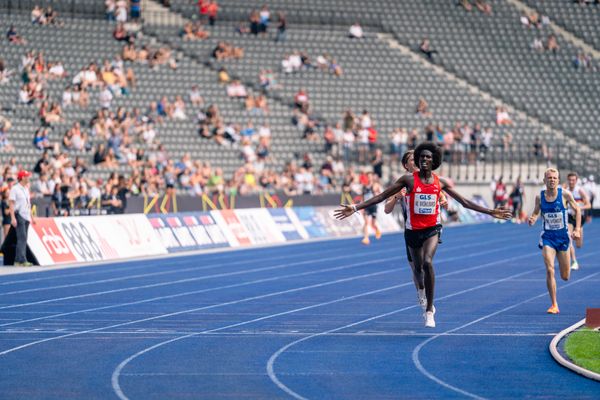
{"x": 425, "y": 204}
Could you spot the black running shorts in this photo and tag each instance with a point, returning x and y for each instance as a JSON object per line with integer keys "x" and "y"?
{"x": 415, "y": 238}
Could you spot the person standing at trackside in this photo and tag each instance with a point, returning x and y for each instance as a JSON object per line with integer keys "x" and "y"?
{"x": 20, "y": 215}
{"x": 552, "y": 204}
{"x": 370, "y": 189}
{"x": 423, "y": 224}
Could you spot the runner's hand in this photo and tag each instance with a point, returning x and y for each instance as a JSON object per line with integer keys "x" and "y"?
{"x": 532, "y": 220}
{"x": 501, "y": 213}
{"x": 443, "y": 200}
{"x": 344, "y": 212}
{"x": 576, "y": 233}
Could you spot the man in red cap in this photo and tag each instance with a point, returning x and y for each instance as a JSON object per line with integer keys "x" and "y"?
{"x": 20, "y": 215}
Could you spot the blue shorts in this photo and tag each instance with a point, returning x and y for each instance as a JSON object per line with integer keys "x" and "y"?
{"x": 558, "y": 242}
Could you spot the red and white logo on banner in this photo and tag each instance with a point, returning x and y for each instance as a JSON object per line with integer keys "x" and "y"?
{"x": 53, "y": 241}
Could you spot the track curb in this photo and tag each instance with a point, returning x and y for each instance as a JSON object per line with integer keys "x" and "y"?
{"x": 565, "y": 362}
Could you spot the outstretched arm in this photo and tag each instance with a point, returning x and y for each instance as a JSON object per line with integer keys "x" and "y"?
{"x": 405, "y": 181}
{"x": 536, "y": 212}
{"x": 499, "y": 213}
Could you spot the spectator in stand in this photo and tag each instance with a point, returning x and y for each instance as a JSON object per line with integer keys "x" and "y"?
{"x": 110, "y": 9}
{"x": 212, "y": 9}
{"x": 121, "y": 11}
{"x": 539, "y": 149}
{"x": 484, "y": 7}
{"x": 264, "y": 18}
{"x": 502, "y": 116}
{"x": 552, "y": 44}
{"x": 301, "y": 101}
{"x": 466, "y": 4}
{"x": 537, "y": 45}
{"x": 37, "y": 16}
{"x": 281, "y": 28}
{"x": 236, "y": 90}
{"x": 13, "y": 37}
{"x": 105, "y": 97}
{"x": 423, "y": 108}
{"x": 425, "y": 48}
{"x": 485, "y": 145}
{"x": 582, "y": 61}
{"x": 195, "y": 97}
{"x": 5, "y": 144}
{"x": 356, "y": 31}
{"x": 135, "y": 9}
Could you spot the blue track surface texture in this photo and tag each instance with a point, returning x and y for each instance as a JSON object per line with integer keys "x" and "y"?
{"x": 321, "y": 320}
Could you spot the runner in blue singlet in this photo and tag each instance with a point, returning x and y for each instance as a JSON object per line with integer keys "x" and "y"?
{"x": 555, "y": 241}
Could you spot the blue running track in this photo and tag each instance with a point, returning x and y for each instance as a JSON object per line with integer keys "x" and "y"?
{"x": 320, "y": 320}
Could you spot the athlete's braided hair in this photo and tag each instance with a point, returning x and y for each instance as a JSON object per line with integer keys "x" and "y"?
{"x": 435, "y": 150}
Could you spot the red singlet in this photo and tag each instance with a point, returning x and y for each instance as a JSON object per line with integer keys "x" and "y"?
{"x": 423, "y": 205}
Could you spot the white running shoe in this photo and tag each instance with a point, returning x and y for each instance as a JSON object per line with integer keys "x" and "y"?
{"x": 575, "y": 265}
{"x": 422, "y": 298}
{"x": 429, "y": 320}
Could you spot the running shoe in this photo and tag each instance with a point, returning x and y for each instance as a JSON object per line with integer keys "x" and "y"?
{"x": 377, "y": 234}
{"x": 429, "y": 320}
{"x": 365, "y": 241}
{"x": 553, "y": 310}
{"x": 575, "y": 265}
{"x": 422, "y": 298}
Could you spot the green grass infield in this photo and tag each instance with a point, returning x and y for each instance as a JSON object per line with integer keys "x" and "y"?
{"x": 583, "y": 348}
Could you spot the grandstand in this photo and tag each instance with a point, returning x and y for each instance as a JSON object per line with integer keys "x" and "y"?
{"x": 482, "y": 66}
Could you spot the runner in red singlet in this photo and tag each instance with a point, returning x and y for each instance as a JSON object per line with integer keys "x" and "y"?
{"x": 421, "y": 233}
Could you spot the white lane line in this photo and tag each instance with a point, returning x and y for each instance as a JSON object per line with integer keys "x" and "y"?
{"x": 116, "y": 373}
{"x": 416, "y": 351}
{"x": 218, "y": 255}
{"x": 171, "y": 271}
{"x": 190, "y": 258}
{"x": 161, "y": 273}
{"x": 271, "y": 362}
{"x": 247, "y": 299}
{"x": 236, "y": 285}
{"x": 187, "y": 280}
{"x": 261, "y": 334}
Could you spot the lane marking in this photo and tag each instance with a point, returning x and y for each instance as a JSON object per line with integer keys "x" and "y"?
{"x": 117, "y": 371}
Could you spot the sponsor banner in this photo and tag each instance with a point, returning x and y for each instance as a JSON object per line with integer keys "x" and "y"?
{"x": 350, "y": 226}
{"x": 47, "y": 243}
{"x": 457, "y": 213}
{"x": 260, "y": 226}
{"x": 188, "y": 231}
{"x": 93, "y": 238}
{"x": 387, "y": 223}
{"x": 288, "y": 223}
{"x": 312, "y": 222}
{"x": 228, "y": 221}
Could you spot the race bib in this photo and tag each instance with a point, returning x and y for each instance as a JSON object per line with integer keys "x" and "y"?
{"x": 554, "y": 221}
{"x": 425, "y": 204}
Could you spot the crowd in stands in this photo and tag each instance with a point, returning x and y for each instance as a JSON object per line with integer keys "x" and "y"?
{"x": 115, "y": 137}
